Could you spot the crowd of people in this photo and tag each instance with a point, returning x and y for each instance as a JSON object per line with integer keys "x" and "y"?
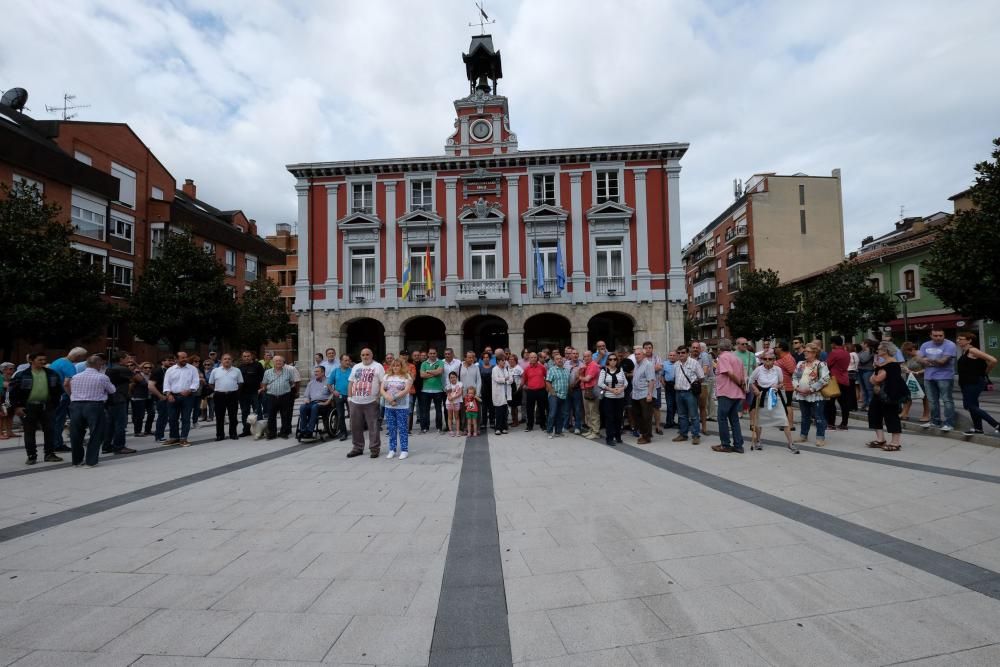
{"x": 598, "y": 393}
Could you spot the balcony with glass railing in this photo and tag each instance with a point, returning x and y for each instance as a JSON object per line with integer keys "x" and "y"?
{"x": 739, "y": 231}
{"x": 89, "y": 224}
{"x": 704, "y": 297}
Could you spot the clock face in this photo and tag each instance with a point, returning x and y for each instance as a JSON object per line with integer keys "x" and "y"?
{"x": 481, "y": 130}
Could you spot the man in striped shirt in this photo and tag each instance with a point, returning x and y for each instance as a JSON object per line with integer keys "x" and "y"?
{"x": 280, "y": 385}
{"x": 557, "y": 385}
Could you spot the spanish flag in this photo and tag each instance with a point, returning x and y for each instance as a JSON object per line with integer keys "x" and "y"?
{"x": 428, "y": 276}
{"x": 406, "y": 276}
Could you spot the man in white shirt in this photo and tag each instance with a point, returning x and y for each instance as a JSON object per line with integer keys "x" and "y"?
{"x": 451, "y": 364}
{"x": 363, "y": 393}
{"x": 225, "y": 380}
{"x": 180, "y": 383}
{"x": 469, "y": 376}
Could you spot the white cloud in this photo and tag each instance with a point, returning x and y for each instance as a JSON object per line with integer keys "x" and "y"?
{"x": 898, "y": 95}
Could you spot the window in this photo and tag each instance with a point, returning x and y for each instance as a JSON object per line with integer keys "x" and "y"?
{"x": 208, "y": 247}
{"x": 24, "y": 183}
{"x": 484, "y": 262}
{"x": 362, "y": 199}
{"x": 544, "y": 189}
{"x": 363, "y": 279}
{"x": 419, "y": 256}
{"x": 122, "y": 230}
{"x": 90, "y": 258}
{"x": 802, "y": 195}
{"x": 875, "y": 282}
{"x": 230, "y": 262}
{"x": 88, "y": 216}
{"x": 156, "y": 236}
{"x": 251, "y": 270}
{"x": 547, "y": 249}
{"x": 910, "y": 281}
{"x": 83, "y": 157}
{"x": 421, "y": 195}
{"x": 120, "y": 276}
{"x": 156, "y": 193}
{"x": 802, "y": 221}
{"x": 607, "y": 186}
{"x": 610, "y": 269}
{"x": 126, "y": 184}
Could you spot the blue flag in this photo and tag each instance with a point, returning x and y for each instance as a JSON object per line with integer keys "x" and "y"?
{"x": 539, "y": 271}
{"x": 560, "y": 269}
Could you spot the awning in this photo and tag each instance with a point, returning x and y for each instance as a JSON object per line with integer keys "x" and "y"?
{"x": 928, "y": 322}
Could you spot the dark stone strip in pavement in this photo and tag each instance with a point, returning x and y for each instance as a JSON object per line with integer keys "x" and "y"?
{"x": 104, "y": 460}
{"x": 471, "y": 624}
{"x": 957, "y": 571}
{"x": 909, "y": 465}
{"x": 72, "y": 514}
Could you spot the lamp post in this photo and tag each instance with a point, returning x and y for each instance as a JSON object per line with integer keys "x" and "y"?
{"x": 791, "y": 325}
{"x": 904, "y": 296}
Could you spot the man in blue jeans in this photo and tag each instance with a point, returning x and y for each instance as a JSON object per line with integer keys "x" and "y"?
{"x": 116, "y": 410}
{"x": 180, "y": 383}
{"x": 89, "y": 390}
{"x": 731, "y": 389}
{"x": 686, "y": 372}
{"x": 557, "y": 386}
{"x": 938, "y": 358}
{"x": 65, "y": 367}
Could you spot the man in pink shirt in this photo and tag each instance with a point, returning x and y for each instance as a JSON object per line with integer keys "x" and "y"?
{"x": 591, "y": 406}
{"x": 731, "y": 389}
{"x": 837, "y": 361}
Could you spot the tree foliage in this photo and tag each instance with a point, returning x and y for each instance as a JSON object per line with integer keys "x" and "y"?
{"x": 46, "y": 294}
{"x": 262, "y": 315}
{"x": 963, "y": 269}
{"x": 759, "y": 309}
{"x": 845, "y": 302}
{"x": 182, "y": 295}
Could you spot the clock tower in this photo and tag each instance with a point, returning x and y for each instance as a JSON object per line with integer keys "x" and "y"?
{"x": 482, "y": 126}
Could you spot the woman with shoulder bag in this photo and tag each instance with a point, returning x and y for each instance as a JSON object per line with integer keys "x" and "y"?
{"x": 973, "y": 367}
{"x": 889, "y": 393}
{"x": 611, "y": 382}
{"x": 769, "y": 407}
{"x": 811, "y": 375}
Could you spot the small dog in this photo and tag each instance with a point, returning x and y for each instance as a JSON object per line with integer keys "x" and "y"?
{"x": 257, "y": 427}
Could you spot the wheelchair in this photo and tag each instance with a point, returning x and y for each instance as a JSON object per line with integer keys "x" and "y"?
{"x": 326, "y": 426}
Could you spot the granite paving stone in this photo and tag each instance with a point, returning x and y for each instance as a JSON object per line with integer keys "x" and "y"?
{"x": 275, "y": 636}
{"x": 384, "y": 641}
{"x": 178, "y": 632}
{"x": 607, "y": 625}
{"x": 546, "y": 591}
{"x": 74, "y": 628}
{"x": 705, "y": 610}
{"x": 715, "y": 648}
{"x": 357, "y": 597}
{"x": 21, "y": 585}
{"x": 273, "y": 594}
{"x": 98, "y": 589}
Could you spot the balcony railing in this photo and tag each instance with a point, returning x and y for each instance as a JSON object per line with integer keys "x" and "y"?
{"x": 738, "y": 258}
{"x": 89, "y": 229}
{"x": 489, "y": 290}
{"x": 704, "y": 253}
{"x": 363, "y": 293}
{"x": 704, "y": 275}
{"x": 707, "y": 297}
{"x": 549, "y": 287}
{"x": 737, "y": 232}
{"x": 706, "y": 321}
{"x": 610, "y": 285}
{"x": 420, "y": 293}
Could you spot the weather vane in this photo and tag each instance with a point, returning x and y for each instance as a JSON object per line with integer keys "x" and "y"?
{"x": 484, "y": 19}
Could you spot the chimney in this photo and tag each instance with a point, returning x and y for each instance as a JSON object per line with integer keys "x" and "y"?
{"x": 283, "y": 229}
{"x": 189, "y": 188}
{"x": 253, "y": 227}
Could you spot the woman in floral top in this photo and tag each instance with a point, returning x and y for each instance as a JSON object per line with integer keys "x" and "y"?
{"x": 810, "y": 376}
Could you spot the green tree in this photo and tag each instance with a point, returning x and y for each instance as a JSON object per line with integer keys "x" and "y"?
{"x": 759, "y": 308}
{"x": 963, "y": 269}
{"x": 844, "y": 301}
{"x": 262, "y": 315}
{"x": 182, "y": 295}
{"x": 46, "y": 294}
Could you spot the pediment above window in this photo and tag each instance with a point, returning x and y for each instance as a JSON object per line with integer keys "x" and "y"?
{"x": 609, "y": 210}
{"x": 360, "y": 227}
{"x": 546, "y": 220}
{"x": 419, "y": 218}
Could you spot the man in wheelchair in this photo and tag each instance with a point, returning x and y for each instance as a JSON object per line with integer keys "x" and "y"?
{"x": 318, "y": 401}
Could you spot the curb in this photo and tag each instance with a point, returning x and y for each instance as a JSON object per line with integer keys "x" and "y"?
{"x": 913, "y": 426}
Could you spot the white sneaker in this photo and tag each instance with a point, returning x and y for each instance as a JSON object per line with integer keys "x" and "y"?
{"x": 947, "y": 428}
{"x": 550, "y": 436}
{"x": 392, "y": 454}
{"x": 926, "y": 425}
{"x": 403, "y": 455}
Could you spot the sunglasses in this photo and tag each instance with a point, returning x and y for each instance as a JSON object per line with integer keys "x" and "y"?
{"x": 768, "y": 358}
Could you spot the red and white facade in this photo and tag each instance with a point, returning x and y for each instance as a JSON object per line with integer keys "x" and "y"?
{"x": 485, "y": 217}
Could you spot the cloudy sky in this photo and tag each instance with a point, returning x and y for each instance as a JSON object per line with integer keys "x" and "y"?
{"x": 901, "y": 96}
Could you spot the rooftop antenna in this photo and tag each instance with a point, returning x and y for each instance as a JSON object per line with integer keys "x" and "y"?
{"x": 737, "y": 188}
{"x": 66, "y": 107}
{"x": 902, "y": 209}
{"x": 484, "y": 19}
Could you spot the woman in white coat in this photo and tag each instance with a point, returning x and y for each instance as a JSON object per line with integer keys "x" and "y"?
{"x": 502, "y": 379}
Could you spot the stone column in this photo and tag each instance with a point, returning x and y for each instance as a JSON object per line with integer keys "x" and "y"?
{"x": 453, "y": 339}
{"x": 513, "y": 241}
{"x": 391, "y": 291}
{"x": 641, "y": 236}
{"x": 675, "y": 323}
{"x": 451, "y": 229}
{"x": 496, "y": 132}
{"x": 332, "y": 246}
{"x": 464, "y": 136}
{"x": 676, "y": 290}
{"x": 393, "y": 342}
{"x": 515, "y": 340}
{"x": 578, "y": 337}
{"x": 578, "y": 277}
{"x": 302, "y": 279}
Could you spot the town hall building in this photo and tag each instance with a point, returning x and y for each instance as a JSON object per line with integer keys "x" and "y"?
{"x": 488, "y": 244}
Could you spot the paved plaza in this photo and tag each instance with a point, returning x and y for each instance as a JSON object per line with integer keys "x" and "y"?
{"x": 498, "y": 550}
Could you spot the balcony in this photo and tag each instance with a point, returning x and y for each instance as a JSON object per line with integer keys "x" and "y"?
{"x": 363, "y": 293}
{"x": 703, "y": 254}
{"x": 609, "y": 285}
{"x": 739, "y": 231}
{"x": 549, "y": 289}
{"x": 704, "y": 275}
{"x": 706, "y": 321}
{"x": 482, "y": 292}
{"x": 89, "y": 228}
{"x": 420, "y": 294}
{"x": 738, "y": 258}
{"x": 707, "y": 297}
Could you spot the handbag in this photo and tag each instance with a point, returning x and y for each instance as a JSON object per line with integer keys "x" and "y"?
{"x": 831, "y": 389}
{"x": 916, "y": 392}
{"x": 695, "y": 385}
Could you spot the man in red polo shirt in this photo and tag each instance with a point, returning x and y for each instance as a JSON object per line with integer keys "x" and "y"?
{"x": 534, "y": 389}
{"x": 837, "y": 361}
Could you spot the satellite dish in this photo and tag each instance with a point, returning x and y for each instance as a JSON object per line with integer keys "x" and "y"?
{"x": 15, "y": 98}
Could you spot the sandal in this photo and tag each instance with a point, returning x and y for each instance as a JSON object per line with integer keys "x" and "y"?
{"x": 891, "y": 448}
{"x": 876, "y": 444}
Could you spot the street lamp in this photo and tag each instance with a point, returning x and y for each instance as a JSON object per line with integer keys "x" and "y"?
{"x": 791, "y": 325}
{"x": 904, "y": 296}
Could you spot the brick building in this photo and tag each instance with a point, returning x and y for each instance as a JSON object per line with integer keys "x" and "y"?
{"x": 502, "y": 246}
{"x": 284, "y": 276}
{"x": 790, "y": 224}
{"x": 120, "y": 200}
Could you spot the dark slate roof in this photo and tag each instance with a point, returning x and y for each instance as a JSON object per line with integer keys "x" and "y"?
{"x": 207, "y": 221}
